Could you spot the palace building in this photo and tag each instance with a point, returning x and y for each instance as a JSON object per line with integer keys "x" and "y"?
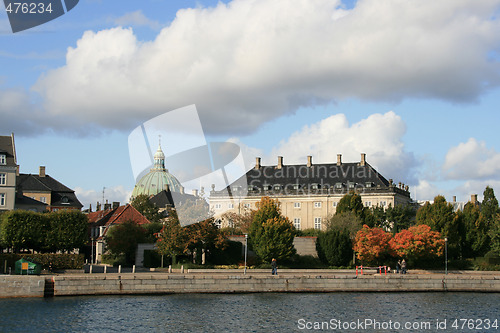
{"x": 308, "y": 193}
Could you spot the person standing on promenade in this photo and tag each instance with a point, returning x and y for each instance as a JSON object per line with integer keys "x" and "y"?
{"x": 274, "y": 267}
{"x": 398, "y": 266}
{"x": 403, "y": 266}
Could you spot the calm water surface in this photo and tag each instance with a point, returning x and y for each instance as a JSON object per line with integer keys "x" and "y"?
{"x": 252, "y": 313}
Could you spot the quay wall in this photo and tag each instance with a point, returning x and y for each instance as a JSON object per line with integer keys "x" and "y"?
{"x": 162, "y": 283}
{"x": 21, "y": 286}
{"x": 165, "y": 284}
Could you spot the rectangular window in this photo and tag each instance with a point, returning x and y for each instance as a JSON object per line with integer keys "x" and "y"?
{"x": 247, "y": 205}
{"x": 383, "y": 203}
{"x": 43, "y": 199}
{"x": 317, "y": 223}
{"x": 277, "y": 187}
{"x": 317, "y": 204}
{"x": 3, "y": 178}
{"x": 296, "y": 186}
{"x": 338, "y": 186}
{"x": 218, "y": 206}
{"x": 267, "y": 187}
{"x": 230, "y": 206}
{"x": 296, "y": 205}
{"x": 334, "y": 204}
{"x": 296, "y": 223}
{"x": 351, "y": 186}
{"x": 368, "y": 203}
{"x": 369, "y": 184}
{"x": 3, "y": 160}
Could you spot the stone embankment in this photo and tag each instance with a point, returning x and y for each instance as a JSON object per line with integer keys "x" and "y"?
{"x": 237, "y": 282}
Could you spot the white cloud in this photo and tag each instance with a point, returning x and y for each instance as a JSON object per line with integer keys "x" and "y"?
{"x": 472, "y": 160}
{"x": 379, "y": 136}
{"x": 249, "y": 61}
{"x": 468, "y": 188}
{"x": 136, "y": 18}
{"x": 425, "y": 191}
{"x": 91, "y": 197}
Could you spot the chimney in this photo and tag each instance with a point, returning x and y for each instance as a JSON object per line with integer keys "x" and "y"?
{"x": 98, "y": 206}
{"x": 454, "y": 198}
{"x": 473, "y": 199}
{"x": 42, "y": 171}
{"x": 309, "y": 161}
{"x": 280, "y": 162}
{"x": 257, "y": 163}
{"x": 195, "y": 193}
{"x": 339, "y": 159}
{"x": 363, "y": 159}
{"x": 107, "y": 205}
{"x": 400, "y": 185}
{"x": 390, "y": 182}
{"x": 17, "y": 170}
{"x": 116, "y": 204}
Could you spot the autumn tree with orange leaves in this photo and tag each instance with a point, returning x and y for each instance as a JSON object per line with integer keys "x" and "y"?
{"x": 372, "y": 245}
{"x": 418, "y": 244}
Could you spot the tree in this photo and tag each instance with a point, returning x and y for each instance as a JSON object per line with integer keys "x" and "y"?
{"x": 68, "y": 230}
{"x": 495, "y": 234}
{"x": 489, "y": 206}
{"x": 351, "y": 202}
{"x": 335, "y": 247}
{"x": 146, "y": 208}
{"x": 372, "y": 245}
{"x": 123, "y": 239}
{"x": 418, "y": 244}
{"x": 25, "y": 230}
{"x": 441, "y": 217}
{"x": 172, "y": 238}
{"x": 271, "y": 234}
{"x": 275, "y": 239}
{"x": 239, "y": 224}
{"x": 202, "y": 237}
{"x": 400, "y": 217}
{"x": 348, "y": 221}
{"x": 476, "y": 241}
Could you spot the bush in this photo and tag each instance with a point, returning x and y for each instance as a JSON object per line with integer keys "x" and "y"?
{"x": 231, "y": 255}
{"x": 59, "y": 261}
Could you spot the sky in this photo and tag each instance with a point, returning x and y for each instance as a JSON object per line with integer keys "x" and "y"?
{"x": 413, "y": 84}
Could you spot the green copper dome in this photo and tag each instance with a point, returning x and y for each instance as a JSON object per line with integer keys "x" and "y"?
{"x": 157, "y": 179}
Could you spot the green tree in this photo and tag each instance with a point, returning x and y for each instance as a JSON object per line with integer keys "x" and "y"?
{"x": 348, "y": 221}
{"x": 400, "y": 217}
{"x": 146, "y": 208}
{"x": 24, "y": 230}
{"x": 68, "y": 230}
{"x": 271, "y": 234}
{"x": 477, "y": 241}
{"x": 275, "y": 239}
{"x": 123, "y": 239}
{"x": 495, "y": 234}
{"x": 351, "y": 202}
{"x": 489, "y": 206}
{"x": 441, "y": 217}
{"x": 202, "y": 237}
{"x": 335, "y": 247}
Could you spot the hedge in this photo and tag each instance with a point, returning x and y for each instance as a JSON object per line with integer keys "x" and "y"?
{"x": 59, "y": 261}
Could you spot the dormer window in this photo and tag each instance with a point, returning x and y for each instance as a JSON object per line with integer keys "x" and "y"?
{"x": 338, "y": 186}
{"x": 267, "y": 187}
{"x": 296, "y": 186}
{"x": 314, "y": 186}
{"x": 369, "y": 184}
{"x": 351, "y": 186}
{"x": 65, "y": 200}
{"x": 277, "y": 187}
{"x": 3, "y": 159}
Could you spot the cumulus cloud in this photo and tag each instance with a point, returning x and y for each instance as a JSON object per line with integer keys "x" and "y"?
{"x": 137, "y": 19}
{"x": 249, "y": 61}
{"x": 379, "y": 136}
{"x": 91, "y": 197}
{"x": 472, "y": 160}
{"x": 426, "y": 191}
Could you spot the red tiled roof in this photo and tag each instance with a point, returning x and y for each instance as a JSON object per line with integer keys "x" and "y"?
{"x": 127, "y": 213}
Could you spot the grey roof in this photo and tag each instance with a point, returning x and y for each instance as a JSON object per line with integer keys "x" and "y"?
{"x": 168, "y": 198}
{"x": 61, "y": 195}
{"x": 7, "y": 148}
{"x": 303, "y": 179}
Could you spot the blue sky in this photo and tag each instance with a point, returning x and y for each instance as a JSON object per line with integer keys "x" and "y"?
{"x": 415, "y": 85}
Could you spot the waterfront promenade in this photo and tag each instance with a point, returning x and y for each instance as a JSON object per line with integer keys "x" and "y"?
{"x": 235, "y": 281}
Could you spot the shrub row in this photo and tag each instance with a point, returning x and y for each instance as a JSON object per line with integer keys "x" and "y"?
{"x": 59, "y": 261}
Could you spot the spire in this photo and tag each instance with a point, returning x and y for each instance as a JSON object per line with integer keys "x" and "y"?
{"x": 159, "y": 157}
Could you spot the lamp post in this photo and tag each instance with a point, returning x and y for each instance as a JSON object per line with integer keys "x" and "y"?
{"x": 446, "y": 255}
{"x": 246, "y": 250}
